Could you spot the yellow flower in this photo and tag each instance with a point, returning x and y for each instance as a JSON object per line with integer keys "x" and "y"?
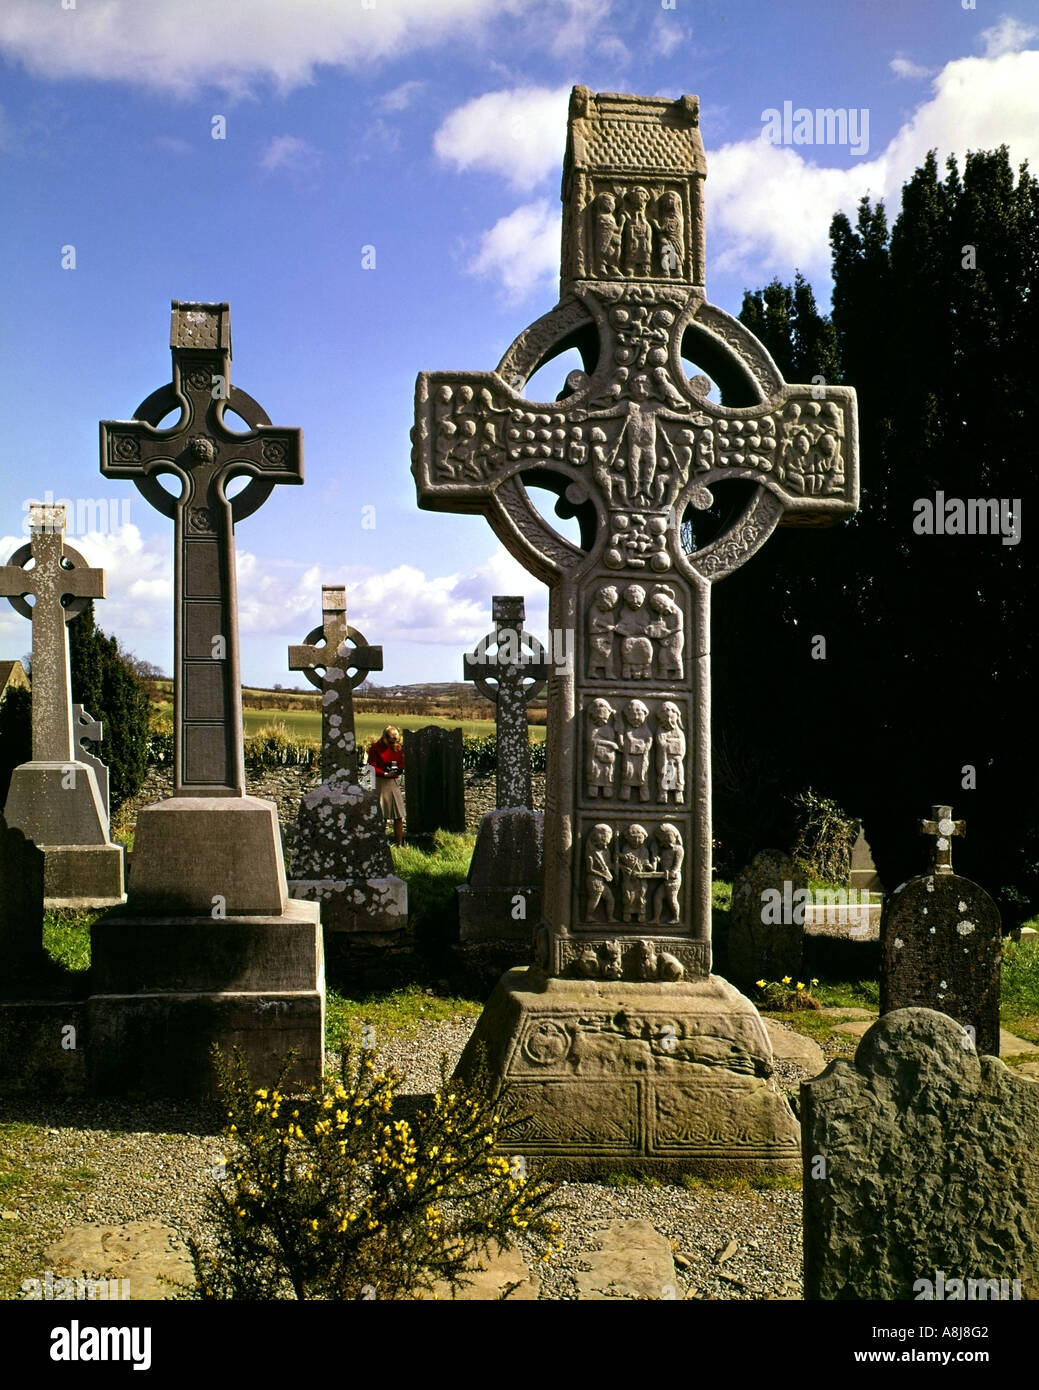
{"x": 760, "y": 983}
{"x": 800, "y": 985}
{"x": 786, "y": 979}
{"x": 815, "y": 982}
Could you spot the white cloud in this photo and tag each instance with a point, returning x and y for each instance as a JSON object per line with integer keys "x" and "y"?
{"x": 665, "y": 35}
{"x": 519, "y": 134}
{"x": 290, "y": 153}
{"x": 769, "y": 208}
{"x": 1009, "y": 35}
{"x": 173, "y": 144}
{"x": 238, "y": 45}
{"x": 400, "y": 98}
{"x": 521, "y": 250}
{"x": 905, "y": 67}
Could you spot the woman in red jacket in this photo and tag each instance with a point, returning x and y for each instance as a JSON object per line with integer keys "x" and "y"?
{"x": 386, "y": 756}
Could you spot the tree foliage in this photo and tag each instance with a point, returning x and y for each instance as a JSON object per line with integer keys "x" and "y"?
{"x": 105, "y": 684}
{"x": 929, "y": 639}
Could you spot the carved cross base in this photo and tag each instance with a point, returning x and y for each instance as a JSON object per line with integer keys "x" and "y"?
{"x": 665, "y": 1079}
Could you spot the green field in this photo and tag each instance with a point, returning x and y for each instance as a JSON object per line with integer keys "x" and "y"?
{"x": 305, "y": 724}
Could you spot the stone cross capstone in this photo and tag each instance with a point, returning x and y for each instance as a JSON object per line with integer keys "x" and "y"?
{"x": 943, "y": 828}
{"x": 513, "y": 675}
{"x": 61, "y": 583}
{"x": 327, "y": 657}
{"x": 204, "y": 455}
{"x": 632, "y": 446}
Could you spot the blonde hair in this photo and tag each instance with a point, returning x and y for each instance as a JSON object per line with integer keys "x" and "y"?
{"x": 392, "y": 733}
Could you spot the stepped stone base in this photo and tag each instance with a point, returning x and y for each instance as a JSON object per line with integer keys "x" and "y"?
{"x": 43, "y": 1047}
{"x": 167, "y": 988}
{"x": 82, "y": 876}
{"x": 641, "y": 1077}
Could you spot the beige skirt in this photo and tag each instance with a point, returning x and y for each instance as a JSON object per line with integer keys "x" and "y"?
{"x": 391, "y": 802}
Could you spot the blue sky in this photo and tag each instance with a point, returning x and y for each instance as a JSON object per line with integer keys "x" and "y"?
{"x": 432, "y": 131}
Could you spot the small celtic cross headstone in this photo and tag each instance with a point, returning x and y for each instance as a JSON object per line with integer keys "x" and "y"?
{"x": 941, "y": 942}
{"x": 327, "y": 657}
{"x": 943, "y": 828}
{"x": 204, "y": 455}
{"x": 512, "y": 676}
{"x": 59, "y": 580}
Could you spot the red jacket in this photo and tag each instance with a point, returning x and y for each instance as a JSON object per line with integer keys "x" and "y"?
{"x": 381, "y": 758}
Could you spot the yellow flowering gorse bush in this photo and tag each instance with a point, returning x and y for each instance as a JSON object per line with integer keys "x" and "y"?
{"x": 327, "y": 1195}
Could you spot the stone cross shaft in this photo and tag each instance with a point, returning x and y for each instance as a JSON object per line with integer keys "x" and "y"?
{"x": 335, "y": 649}
{"x": 631, "y": 447}
{"x": 509, "y": 678}
{"x": 204, "y": 455}
{"x": 58, "y": 573}
{"x": 943, "y": 828}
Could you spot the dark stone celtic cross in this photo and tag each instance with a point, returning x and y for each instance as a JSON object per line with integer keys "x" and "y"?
{"x": 943, "y": 828}
{"x": 335, "y": 649}
{"x": 204, "y": 455}
{"x": 509, "y": 678}
{"x": 58, "y": 574}
{"x": 632, "y": 447}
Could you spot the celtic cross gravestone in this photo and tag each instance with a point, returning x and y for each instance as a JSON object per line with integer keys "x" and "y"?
{"x": 512, "y": 676}
{"x": 342, "y": 859}
{"x": 209, "y": 948}
{"x": 327, "y": 657}
{"x": 632, "y": 448}
{"x": 55, "y": 799}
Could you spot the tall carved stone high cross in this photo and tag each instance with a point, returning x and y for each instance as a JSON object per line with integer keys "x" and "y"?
{"x": 204, "y": 455}
{"x": 631, "y": 447}
{"x": 58, "y": 573}
{"x": 942, "y": 827}
{"x": 335, "y": 649}
{"x": 509, "y": 678}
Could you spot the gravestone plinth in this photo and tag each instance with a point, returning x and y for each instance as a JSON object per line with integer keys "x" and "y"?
{"x": 342, "y": 859}
{"x": 631, "y": 446}
{"x": 863, "y": 875}
{"x": 766, "y": 920}
{"x": 209, "y": 948}
{"x": 434, "y": 787}
{"x": 501, "y": 901}
{"x": 941, "y": 942}
{"x": 921, "y": 1169}
{"x": 54, "y": 799}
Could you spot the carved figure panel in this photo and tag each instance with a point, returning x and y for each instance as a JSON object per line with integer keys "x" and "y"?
{"x": 635, "y": 750}
{"x": 636, "y": 230}
{"x": 635, "y": 633}
{"x": 633, "y": 874}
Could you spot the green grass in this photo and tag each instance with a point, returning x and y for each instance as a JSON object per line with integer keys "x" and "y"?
{"x": 305, "y": 724}
{"x": 399, "y": 1013}
{"x": 66, "y": 936}
{"x": 845, "y": 994}
{"x": 1019, "y": 989}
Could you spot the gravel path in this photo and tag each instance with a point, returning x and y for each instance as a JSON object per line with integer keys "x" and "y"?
{"x": 109, "y": 1162}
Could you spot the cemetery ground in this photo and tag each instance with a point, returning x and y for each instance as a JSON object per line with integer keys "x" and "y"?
{"x": 111, "y": 1189}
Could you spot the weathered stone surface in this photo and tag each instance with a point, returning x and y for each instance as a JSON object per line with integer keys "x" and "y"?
{"x": 941, "y": 944}
{"x": 434, "y": 789}
{"x": 85, "y": 731}
{"x": 633, "y": 1261}
{"x": 631, "y": 447}
{"x": 788, "y": 1046}
{"x": 143, "y": 1253}
{"x": 515, "y": 673}
{"x": 920, "y": 1156}
{"x": 21, "y": 910}
{"x": 502, "y": 1274}
{"x": 55, "y": 799}
{"x": 759, "y": 947}
{"x": 628, "y": 1074}
{"x": 506, "y": 866}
